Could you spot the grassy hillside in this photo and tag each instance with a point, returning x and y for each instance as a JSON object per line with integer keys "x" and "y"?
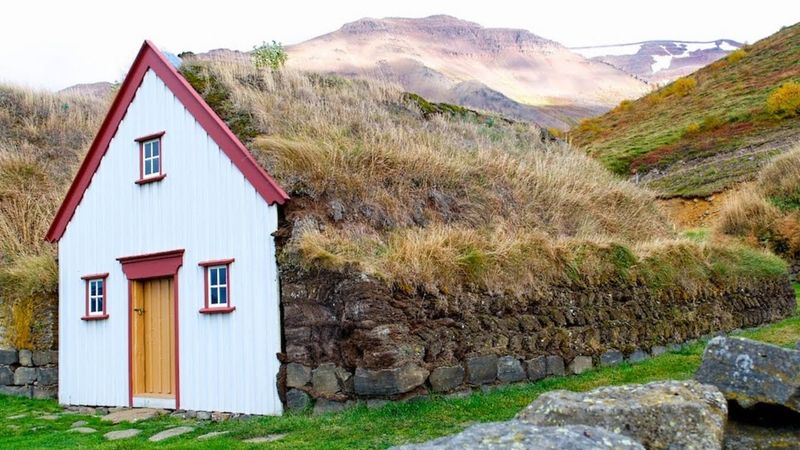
{"x": 705, "y": 132}
{"x": 436, "y": 202}
{"x": 42, "y": 138}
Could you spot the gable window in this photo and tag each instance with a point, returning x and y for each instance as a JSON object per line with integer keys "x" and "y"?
{"x": 151, "y": 151}
{"x": 217, "y": 286}
{"x": 95, "y": 297}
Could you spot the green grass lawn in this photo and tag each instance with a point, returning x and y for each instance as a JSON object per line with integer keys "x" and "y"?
{"x": 22, "y": 424}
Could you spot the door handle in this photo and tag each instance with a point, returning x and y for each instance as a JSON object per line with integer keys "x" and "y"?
{"x": 138, "y": 311}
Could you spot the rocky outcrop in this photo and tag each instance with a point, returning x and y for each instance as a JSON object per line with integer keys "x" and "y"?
{"x": 515, "y": 434}
{"x": 29, "y": 373}
{"x": 660, "y": 415}
{"x": 751, "y": 372}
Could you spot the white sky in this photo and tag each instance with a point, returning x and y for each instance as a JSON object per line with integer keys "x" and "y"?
{"x": 55, "y": 44}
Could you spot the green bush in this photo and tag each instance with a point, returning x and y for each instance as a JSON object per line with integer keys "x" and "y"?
{"x": 270, "y": 55}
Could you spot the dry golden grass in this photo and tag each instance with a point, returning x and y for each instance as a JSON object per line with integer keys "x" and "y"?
{"x": 447, "y": 202}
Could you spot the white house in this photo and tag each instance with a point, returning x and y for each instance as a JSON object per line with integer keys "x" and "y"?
{"x": 168, "y": 292}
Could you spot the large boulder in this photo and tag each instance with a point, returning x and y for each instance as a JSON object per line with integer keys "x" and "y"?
{"x": 660, "y": 415}
{"x": 751, "y": 372}
{"x": 516, "y": 434}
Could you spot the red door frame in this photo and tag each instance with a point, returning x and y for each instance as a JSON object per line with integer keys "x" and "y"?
{"x": 148, "y": 266}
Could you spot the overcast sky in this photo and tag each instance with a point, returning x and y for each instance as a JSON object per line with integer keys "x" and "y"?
{"x": 54, "y": 44}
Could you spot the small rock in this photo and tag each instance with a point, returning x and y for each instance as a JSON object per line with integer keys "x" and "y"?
{"x": 6, "y": 376}
{"x": 24, "y": 375}
{"x": 131, "y": 415}
{"x": 218, "y": 416}
{"x": 518, "y": 435}
{"x": 611, "y": 358}
{"x": 80, "y": 423}
{"x": 41, "y": 358}
{"x": 658, "y": 350}
{"x": 536, "y": 368}
{"x": 324, "y": 406}
{"x": 203, "y": 415}
{"x": 674, "y": 347}
{"x": 297, "y": 375}
{"x": 212, "y": 435}
{"x": 445, "y": 379}
{"x": 170, "y": 433}
{"x": 510, "y": 370}
{"x": 482, "y": 369}
{"x": 82, "y": 430}
{"x": 752, "y": 372}
{"x": 555, "y": 366}
{"x": 121, "y": 434}
{"x": 297, "y": 400}
{"x": 8, "y": 357}
{"x": 265, "y": 439}
{"x": 580, "y": 364}
{"x": 26, "y": 358}
{"x": 45, "y": 392}
{"x": 191, "y": 414}
{"x": 47, "y": 376}
{"x": 638, "y": 356}
{"x": 324, "y": 379}
{"x": 394, "y": 381}
{"x": 103, "y": 411}
{"x": 464, "y": 393}
{"x": 660, "y": 415}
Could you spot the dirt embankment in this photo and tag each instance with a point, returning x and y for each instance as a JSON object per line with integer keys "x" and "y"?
{"x": 696, "y": 212}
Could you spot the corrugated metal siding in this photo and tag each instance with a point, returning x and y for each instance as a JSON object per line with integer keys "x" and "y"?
{"x": 205, "y": 206}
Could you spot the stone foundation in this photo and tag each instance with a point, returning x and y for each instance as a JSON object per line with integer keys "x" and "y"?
{"x": 350, "y": 338}
{"x": 26, "y": 373}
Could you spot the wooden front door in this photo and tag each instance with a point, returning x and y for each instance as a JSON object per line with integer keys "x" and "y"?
{"x": 153, "y": 341}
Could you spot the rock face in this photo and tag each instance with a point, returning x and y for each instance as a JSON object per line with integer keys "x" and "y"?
{"x": 695, "y": 413}
{"x": 751, "y": 372}
{"x": 516, "y": 434}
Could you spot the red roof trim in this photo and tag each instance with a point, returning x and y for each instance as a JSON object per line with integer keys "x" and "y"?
{"x": 149, "y": 57}
{"x": 150, "y": 137}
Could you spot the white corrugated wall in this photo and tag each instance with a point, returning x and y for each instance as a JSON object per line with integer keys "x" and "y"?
{"x": 205, "y": 206}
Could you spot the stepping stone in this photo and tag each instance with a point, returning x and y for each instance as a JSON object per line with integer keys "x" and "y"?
{"x": 211, "y": 435}
{"x": 18, "y": 416}
{"x": 50, "y": 417}
{"x": 131, "y": 415}
{"x": 121, "y": 434}
{"x": 82, "y": 430}
{"x": 265, "y": 439}
{"x": 172, "y": 432}
{"x": 80, "y": 423}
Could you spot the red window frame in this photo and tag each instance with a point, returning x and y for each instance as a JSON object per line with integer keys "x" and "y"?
{"x": 161, "y": 175}
{"x": 207, "y": 308}
{"x": 87, "y": 279}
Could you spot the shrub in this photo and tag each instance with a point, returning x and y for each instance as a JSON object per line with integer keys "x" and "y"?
{"x": 785, "y": 101}
{"x": 590, "y": 126}
{"x": 624, "y": 105}
{"x": 692, "y": 128}
{"x": 680, "y": 87}
{"x": 711, "y": 123}
{"x": 736, "y": 56}
{"x": 747, "y": 214}
{"x": 779, "y": 181}
{"x": 270, "y": 55}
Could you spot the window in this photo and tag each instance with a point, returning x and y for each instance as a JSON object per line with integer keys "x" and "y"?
{"x": 217, "y": 286}
{"x": 95, "y": 297}
{"x": 151, "y": 161}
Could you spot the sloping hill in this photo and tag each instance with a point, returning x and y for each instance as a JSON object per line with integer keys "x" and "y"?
{"x": 660, "y": 62}
{"x": 449, "y": 60}
{"x": 706, "y": 132}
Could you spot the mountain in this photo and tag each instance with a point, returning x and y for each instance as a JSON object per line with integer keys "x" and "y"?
{"x": 445, "y": 59}
{"x": 100, "y": 89}
{"x": 660, "y": 62}
{"x": 706, "y": 132}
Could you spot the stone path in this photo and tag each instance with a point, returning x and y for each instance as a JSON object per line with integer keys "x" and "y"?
{"x": 132, "y": 415}
{"x": 80, "y": 423}
{"x": 50, "y": 417}
{"x": 211, "y": 435}
{"x": 82, "y": 430}
{"x": 169, "y": 433}
{"x": 121, "y": 434}
{"x": 18, "y": 416}
{"x": 265, "y": 439}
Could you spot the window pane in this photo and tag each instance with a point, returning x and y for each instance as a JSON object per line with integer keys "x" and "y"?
{"x": 100, "y": 287}
{"x": 93, "y": 305}
{"x": 99, "y": 304}
{"x": 213, "y": 274}
{"x": 156, "y": 164}
{"x": 148, "y": 166}
{"x": 214, "y": 293}
{"x": 154, "y": 150}
{"x": 223, "y": 295}
{"x": 223, "y": 272}
{"x": 147, "y": 152}
{"x": 92, "y": 288}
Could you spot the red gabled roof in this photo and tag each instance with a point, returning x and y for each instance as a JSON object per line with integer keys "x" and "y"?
{"x": 150, "y": 57}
